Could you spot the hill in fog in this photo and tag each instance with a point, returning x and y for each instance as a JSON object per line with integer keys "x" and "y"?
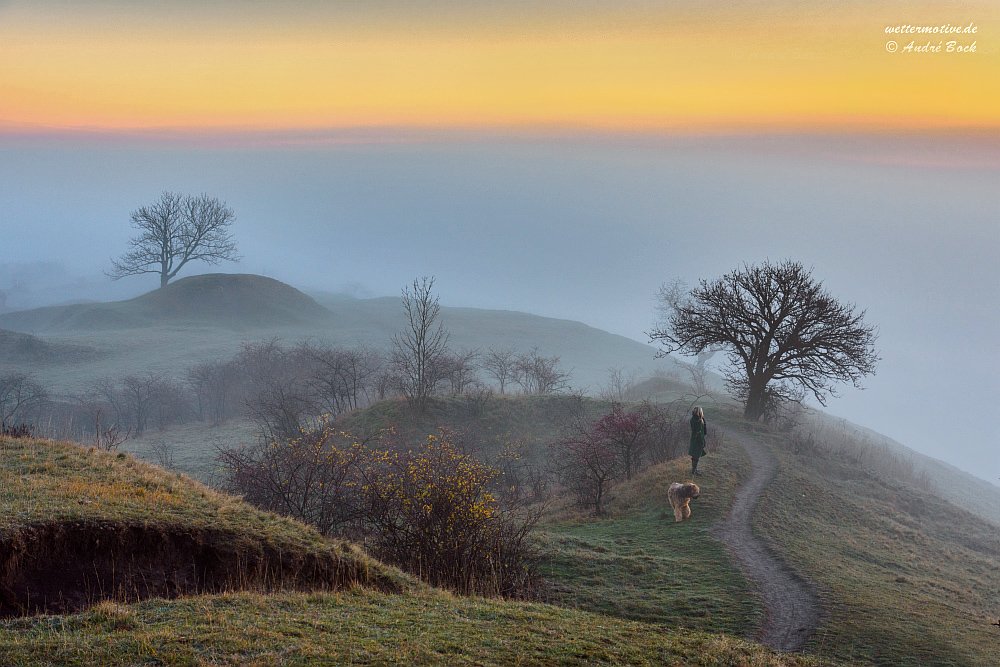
{"x": 239, "y": 301}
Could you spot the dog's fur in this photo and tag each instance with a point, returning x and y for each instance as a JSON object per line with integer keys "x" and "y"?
{"x": 680, "y": 496}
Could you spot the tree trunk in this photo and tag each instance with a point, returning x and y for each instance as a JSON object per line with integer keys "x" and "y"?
{"x": 756, "y": 401}
{"x": 164, "y": 279}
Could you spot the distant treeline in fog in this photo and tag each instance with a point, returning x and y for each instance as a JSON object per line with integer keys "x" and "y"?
{"x": 282, "y": 388}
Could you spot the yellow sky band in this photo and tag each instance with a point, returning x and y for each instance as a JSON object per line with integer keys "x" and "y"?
{"x": 785, "y": 66}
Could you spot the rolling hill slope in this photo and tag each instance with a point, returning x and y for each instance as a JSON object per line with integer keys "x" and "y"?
{"x": 585, "y": 351}
{"x": 207, "y": 317}
{"x": 85, "y": 533}
{"x": 19, "y": 349}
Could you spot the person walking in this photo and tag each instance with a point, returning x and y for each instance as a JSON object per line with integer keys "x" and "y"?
{"x": 699, "y": 430}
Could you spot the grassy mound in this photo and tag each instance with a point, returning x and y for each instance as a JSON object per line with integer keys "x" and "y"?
{"x": 78, "y": 526}
{"x": 213, "y": 299}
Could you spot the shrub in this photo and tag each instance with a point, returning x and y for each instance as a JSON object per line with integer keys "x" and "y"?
{"x": 431, "y": 509}
{"x": 434, "y": 514}
{"x": 311, "y": 478}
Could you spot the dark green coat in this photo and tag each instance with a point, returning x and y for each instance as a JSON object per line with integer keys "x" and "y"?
{"x": 698, "y": 428}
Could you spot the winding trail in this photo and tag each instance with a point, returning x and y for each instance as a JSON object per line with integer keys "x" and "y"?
{"x": 793, "y": 609}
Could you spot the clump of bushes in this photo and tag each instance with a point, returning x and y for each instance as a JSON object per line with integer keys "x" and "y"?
{"x": 431, "y": 508}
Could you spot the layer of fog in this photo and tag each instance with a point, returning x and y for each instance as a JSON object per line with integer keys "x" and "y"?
{"x": 577, "y": 230}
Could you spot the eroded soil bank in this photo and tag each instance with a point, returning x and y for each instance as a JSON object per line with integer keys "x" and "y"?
{"x": 66, "y": 567}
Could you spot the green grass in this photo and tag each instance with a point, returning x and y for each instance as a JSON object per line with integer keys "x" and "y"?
{"x": 365, "y": 628}
{"x": 909, "y": 578}
{"x": 639, "y": 564}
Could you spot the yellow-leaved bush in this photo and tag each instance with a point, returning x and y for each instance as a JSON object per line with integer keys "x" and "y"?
{"x": 430, "y": 508}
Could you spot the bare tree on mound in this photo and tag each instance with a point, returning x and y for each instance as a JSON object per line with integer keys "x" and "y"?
{"x": 784, "y": 335}
{"x": 174, "y": 231}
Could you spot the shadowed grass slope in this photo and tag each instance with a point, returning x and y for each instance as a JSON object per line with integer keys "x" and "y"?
{"x": 909, "y": 578}
{"x": 78, "y": 526}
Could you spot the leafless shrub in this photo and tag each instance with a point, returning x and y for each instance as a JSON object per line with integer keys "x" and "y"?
{"x": 310, "y": 478}
{"x": 215, "y": 388}
{"x": 108, "y": 438}
{"x": 20, "y": 431}
{"x": 478, "y": 399}
{"x": 163, "y": 453}
{"x": 459, "y": 370}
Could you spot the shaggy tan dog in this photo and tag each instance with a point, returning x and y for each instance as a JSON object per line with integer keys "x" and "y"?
{"x": 680, "y": 496}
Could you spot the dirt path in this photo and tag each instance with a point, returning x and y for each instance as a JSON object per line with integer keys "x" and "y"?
{"x": 793, "y": 609}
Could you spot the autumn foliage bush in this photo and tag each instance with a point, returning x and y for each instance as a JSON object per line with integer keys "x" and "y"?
{"x": 432, "y": 509}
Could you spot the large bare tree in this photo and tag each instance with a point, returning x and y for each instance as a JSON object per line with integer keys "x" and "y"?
{"x": 784, "y": 334}
{"x": 421, "y": 348}
{"x": 175, "y": 230}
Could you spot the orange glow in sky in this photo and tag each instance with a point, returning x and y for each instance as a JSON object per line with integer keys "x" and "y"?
{"x": 695, "y": 66}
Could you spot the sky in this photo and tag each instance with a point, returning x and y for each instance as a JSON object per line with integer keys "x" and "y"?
{"x": 559, "y": 158}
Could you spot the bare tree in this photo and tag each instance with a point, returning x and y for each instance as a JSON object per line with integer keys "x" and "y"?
{"x": 539, "y": 375}
{"x": 420, "y": 348}
{"x": 781, "y": 330}
{"x": 499, "y": 364}
{"x": 214, "y": 384}
{"x": 619, "y": 386}
{"x": 174, "y": 231}
{"x": 340, "y": 378}
{"x": 21, "y": 398}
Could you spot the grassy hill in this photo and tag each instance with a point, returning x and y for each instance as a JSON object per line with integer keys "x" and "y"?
{"x": 207, "y": 317}
{"x": 216, "y": 299}
{"x": 907, "y": 577}
{"x": 85, "y": 533}
{"x": 976, "y": 495}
